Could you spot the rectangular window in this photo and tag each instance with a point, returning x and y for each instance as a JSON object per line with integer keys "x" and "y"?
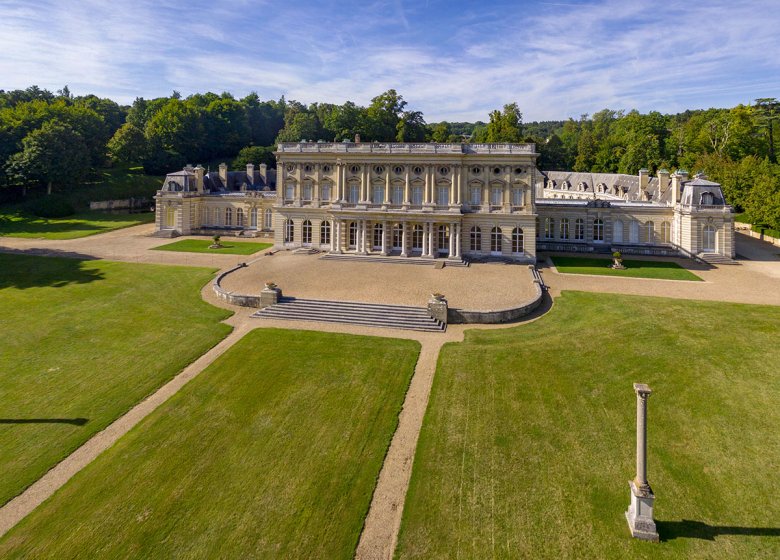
{"x": 354, "y": 193}
{"x": 325, "y": 192}
{"x": 398, "y": 194}
{"x": 476, "y": 196}
{"x": 517, "y": 197}
{"x": 444, "y": 196}
{"x": 307, "y": 192}
{"x": 289, "y": 192}
{"x": 417, "y": 196}
{"x": 379, "y": 194}
{"x": 564, "y": 228}
{"x": 495, "y": 197}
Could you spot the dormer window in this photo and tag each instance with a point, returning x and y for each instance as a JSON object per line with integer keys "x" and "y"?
{"x": 707, "y": 198}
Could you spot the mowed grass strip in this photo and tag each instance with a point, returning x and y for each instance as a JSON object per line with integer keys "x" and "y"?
{"x": 19, "y": 224}
{"x": 529, "y": 439}
{"x": 271, "y": 452}
{"x": 202, "y": 246}
{"x": 658, "y": 270}
{"x": 82, "y": 342}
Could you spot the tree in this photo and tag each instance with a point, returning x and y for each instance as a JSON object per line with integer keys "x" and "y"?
{"x": 54, "y": 154}
{"x": 411, "y": 127}
{"x": 256, "y": 155}
{"x": 442, "y": 133}
{"x": 178, "y": 128}
{"x": 128, "y": 145}
{"x": 382, "y": 116}
{"x": 768, "y": 109}
{"x": 505, "y": 126}
{"x": 301, "y": 126}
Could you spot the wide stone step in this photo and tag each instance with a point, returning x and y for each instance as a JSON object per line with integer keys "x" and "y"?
{"x": 716, "y": 258}
{"x": 376, "y": 315}
{"x": 419, "y": 261}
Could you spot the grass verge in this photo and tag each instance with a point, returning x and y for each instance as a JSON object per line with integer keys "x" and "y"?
{"x": 19, "y": 224}
{"x": 272, "y": 452}
{"x": 83, "y": 341}
{"x": 202, "y": 246}
{"x": 657, "y": 270}
{"x": 529, "y": 439}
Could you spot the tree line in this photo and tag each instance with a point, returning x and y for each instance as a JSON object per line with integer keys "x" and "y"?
{"x": 54, "y": 139}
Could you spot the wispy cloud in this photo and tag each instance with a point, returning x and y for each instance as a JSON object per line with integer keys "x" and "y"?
{"x": 452, "y": 60}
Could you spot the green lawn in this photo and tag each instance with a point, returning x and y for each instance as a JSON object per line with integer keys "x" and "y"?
{"x": 18, "y": 224}
{"x": 658, "y": 270}
{"x": 271, "y": 452}
{"x": 529, "y": 439}
{"x": 202, "y": 246}
{"x": 82, "y": 342}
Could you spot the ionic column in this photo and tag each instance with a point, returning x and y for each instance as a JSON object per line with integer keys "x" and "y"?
{"x": 425, "y": 240}
{"x": 365, "y": 236}
{"x": 403, "y": 239}
{"x": 384, "y": 238}
{"x": 457, "y": 240}
{"x": 451, "y": 251}
{"x": 332, "y": 234}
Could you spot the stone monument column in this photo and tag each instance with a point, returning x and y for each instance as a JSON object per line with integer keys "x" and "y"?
{"x": 640, "y": 510}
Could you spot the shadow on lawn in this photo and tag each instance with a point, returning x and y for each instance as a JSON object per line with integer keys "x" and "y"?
{"x": 73, "y": 421}
{"x": 689, "y": 529}
{"x": 28, "y": 224}
{"x": 33, "y": 268}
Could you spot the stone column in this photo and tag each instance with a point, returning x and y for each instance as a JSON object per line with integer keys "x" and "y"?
{"x": 407, "y": 194}
{"x": 640, "y": 510}
{"x": 403, "y": 239}
{"x": 451, "y": 252}
{"x": 364, "y": 237}
{"x": 387, "y": 185}
{"x": 425, "y": 240}
{"x": 431, "y": 237}
{"x": 332, "y": 235}
{"x": 384, "y": 238}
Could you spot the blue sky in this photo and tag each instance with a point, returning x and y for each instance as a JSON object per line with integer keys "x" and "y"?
{"x": 453, "y": 60}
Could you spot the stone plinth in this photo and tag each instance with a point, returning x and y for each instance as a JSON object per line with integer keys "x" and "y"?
{"x": 437, "y": 308}
{"x": 640, "y": 514}
{"x": 270, "y": 295}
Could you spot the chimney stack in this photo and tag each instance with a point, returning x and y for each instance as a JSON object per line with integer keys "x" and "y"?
{"x": 199, "y": 173}
{"x": 223, "y": 174}
{"x": 663, "y": 181}
{"x": 644, "y": 177}
{"x": 357, "y": 138}
{"x": 263, "y": 171}
{"x": 250, "y": 173}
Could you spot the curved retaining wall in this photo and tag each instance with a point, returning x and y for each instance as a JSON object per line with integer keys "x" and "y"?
{"x": 234, "y": 299}
{"x": 455, "y": 315}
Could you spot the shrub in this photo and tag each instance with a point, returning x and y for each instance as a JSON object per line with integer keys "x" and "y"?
{"x": 50, "y": 206}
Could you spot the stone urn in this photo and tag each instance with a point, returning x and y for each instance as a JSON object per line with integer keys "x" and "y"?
{"x": 617, "y": 261}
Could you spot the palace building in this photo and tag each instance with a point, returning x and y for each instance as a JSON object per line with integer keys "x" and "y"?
{"x": 452, "y": 201}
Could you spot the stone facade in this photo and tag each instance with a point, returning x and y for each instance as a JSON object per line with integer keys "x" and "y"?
{"x": 446, "y": 201}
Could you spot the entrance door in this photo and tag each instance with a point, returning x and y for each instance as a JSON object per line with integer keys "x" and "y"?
{"x": 443, "y": 239}
{"x": 417, "y": 238}
{"x": 708, "y": 239}
{"x": 379, "y": 232}
{"x": 397, "y": 236}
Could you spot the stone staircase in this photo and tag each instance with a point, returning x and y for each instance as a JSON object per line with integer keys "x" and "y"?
{"x": 716, "y": 259}
{"x": 355, "y": 313}
{"x": 424, "y": 261}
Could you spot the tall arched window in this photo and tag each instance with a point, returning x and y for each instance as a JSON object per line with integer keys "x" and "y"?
{"x": 579, "y": 229}
{"x": 324, "y": 232}
{"x": 475, "y": 239}
{"x": 267, "y": 220}
{"x": 564, "y": 228}
{"x": 517, "y": 240}
{"x": 649, "y": 232}
{"x": 228, "y": 216}
{"x": 240, "y": 217}
{"x": 379, "y": 232}
{"x": 633, "y": 232}
{"x": 549, "y": 228}
{"x": 443, "y": 237}
{"x": 398, "y": 236}
{"x": 495, "y": 240}
{"x": 352, "y": 240}
{"x": 253, "y": 218}
{"x": 666, "y": 232}
{"x": 306, "y": 232}
{"x": 598, "y": 229}
{"x": 289, "y": 231}
{"x": 617, "y": 231}
{"x": 417, "y": 237}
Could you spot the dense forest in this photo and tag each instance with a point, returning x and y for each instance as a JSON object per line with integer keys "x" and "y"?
{"x": 55, "y": 139}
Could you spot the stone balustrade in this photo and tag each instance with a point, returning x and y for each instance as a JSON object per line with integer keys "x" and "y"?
{"x": 404, "y": 148}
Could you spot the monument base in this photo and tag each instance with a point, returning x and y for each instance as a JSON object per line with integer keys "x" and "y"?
{"x": 640, "y": 514}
